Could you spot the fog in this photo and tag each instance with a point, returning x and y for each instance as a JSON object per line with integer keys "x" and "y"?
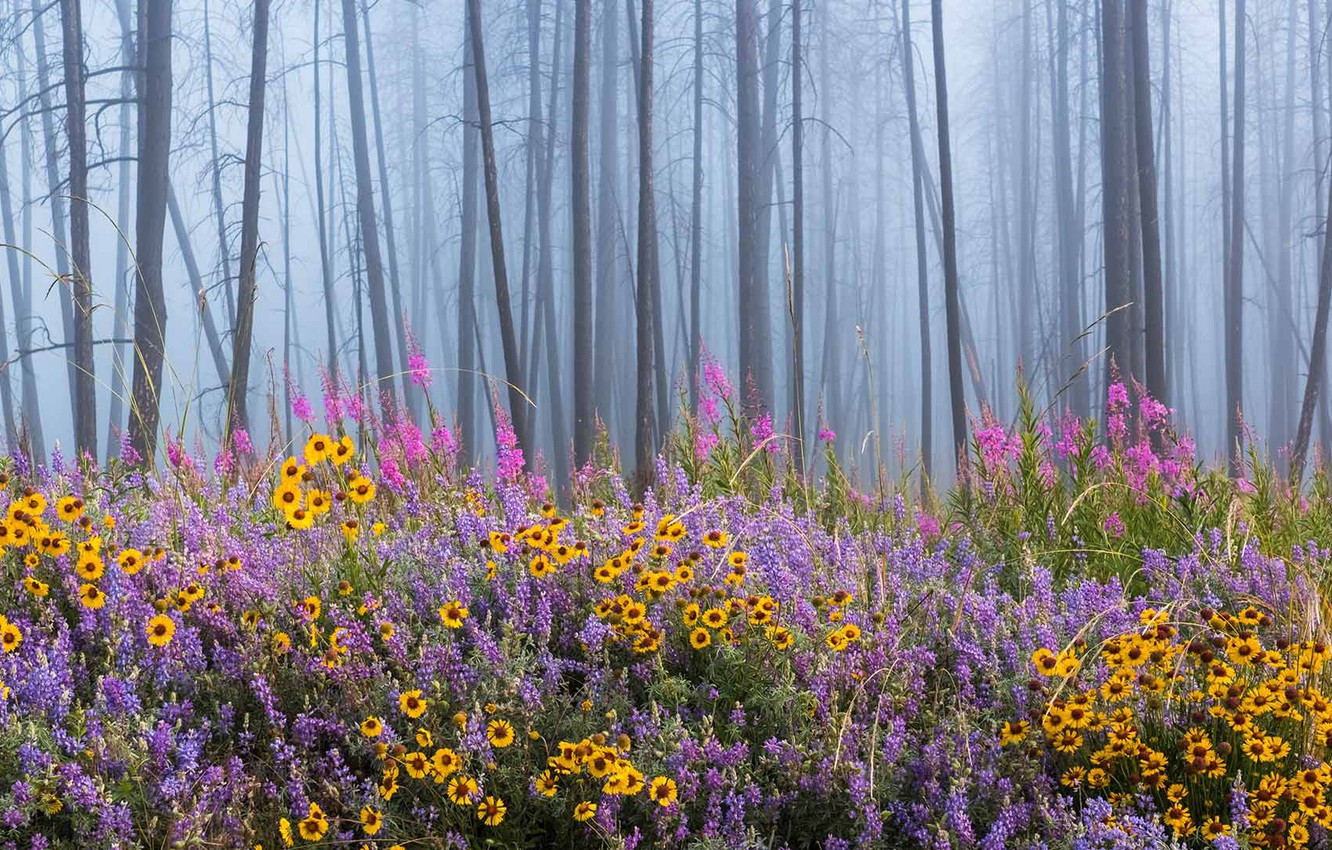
{"x": 1073, "y": 246}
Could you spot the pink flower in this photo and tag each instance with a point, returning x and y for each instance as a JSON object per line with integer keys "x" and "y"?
{"x": 443, "y": 442}
{"x": 762, "y": 433}
{"x": 704, "y": 443}
{"x": 419, "y": 369}
{"x": 1116, "y": 396}
{"x": 240, "y": 439}
{"x": 1114, "y": 526}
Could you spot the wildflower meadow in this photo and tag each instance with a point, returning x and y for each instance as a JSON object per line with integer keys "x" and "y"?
{"x": 1091, "y": 640}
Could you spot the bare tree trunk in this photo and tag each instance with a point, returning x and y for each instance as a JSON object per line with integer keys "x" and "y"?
{"x": 1149, "y": 223}
{"x": 755, "y": 345}
{"x": 243, "y": 329}
{"x": 1026, "y": 249}
{"x": 215, "y": 167}
{"x": 57, "y": 196}
{"x": 1115, "y": 202}
{"x": 29, "y": 413}
{"x": 467, "y": 253}
{"x": 952, "y": 298}
{"x": 85, "y": 385}
{"x": 411, "y": 398}
{"x": 644, "y": 442}
{"x": 582, "y": 236}
{"x": 607, "y": 368}
{"x": 365, "y": 205}
{"x": 512, "y": 364}
{"x": 798, "y": 218}
{"x": 325, "y": 258}
{"x": 1068, "y": 232}
{"x": 1317, "y": 360}
{"x": 120, "y": 322}
{"x": 154, "y": 152}
{"x": 1284, "y": 344}
{"x": 922, "y": 260}
{"x": 1234, "y": 294}
{"x": 546, "y": 279}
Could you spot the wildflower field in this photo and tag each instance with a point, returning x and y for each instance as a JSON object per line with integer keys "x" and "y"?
{"x": 1091, "y": 641}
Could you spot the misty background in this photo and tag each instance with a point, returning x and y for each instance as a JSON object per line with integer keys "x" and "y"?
{"x": 353, "y": 272}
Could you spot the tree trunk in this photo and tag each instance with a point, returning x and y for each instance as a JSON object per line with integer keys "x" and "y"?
{"x": 369, "y": 229}
{"x": 644, "y": 440}
{"x": 952, "y": 298}
{"x": 1234, "y": 294}
{"x": 120, "y": 322}
{"x": 215, "y": 168}
{"x": 85, "y": 385}
{"x": 243, "y": 329}
{"x": 1068, "y": 232}
{"x": 797, "y": 219}
{"x": 150, "y": 315}
{"x": 325, "y": 257}
{"x": 584, "y": 415}
{"x": 411, "y": 398}
{"x": 1149, "y": 220}
{"x": 1115, "y": 202}
{"x": 922, "y": 261}
{"x": 608, "y": 369}
{"x": 1317, "y": 359}
{"x": 57, "y": 195}
{"x": 512, "y": 364}
{"x": 755, "y": 347}
{"x": 467, "y": 254}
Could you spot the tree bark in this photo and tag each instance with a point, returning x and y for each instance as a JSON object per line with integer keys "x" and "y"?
{"x": 243, "y": 329}
{"x": 1115, "y": 202}
{"x": 797, "y": 219}
{"x": 952, "y": 298}
{"x": 150, "y": 316}
{"x": 644, "y": 431}
{"x": 1317, "y": 359}
{"x": 1149, "y": 220}
{"x": 467, "y": 254}
{"x": 584, "y": 415}
{"x": 512, "y": 363}
{"x": 369, "y": 226}
{"x": 755, "y": 346}
{"x": 922, "y": 260}
{"x": 85, "y": 385}
{"x": 1234, "y": 293}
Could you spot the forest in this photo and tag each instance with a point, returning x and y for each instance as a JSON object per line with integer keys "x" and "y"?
{"x": 686, "y": 424}
{"x": 211, "y": 210}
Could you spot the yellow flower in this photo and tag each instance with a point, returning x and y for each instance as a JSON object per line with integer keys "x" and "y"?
{"x": 90, "y": 567}
{"x": 499, "y": 733}
{"x": 446, "y": 763}
{"x": 284, "y": 829}
{"x": 300, "y": 519}
{"x": 10, "y": 636}
{"x": 453, "y": 613}
{"x": 69, "y": 508}
{"x": 318, "y": 502}
{"x": 491, "y": 811}
{"x": 317, "y": 448}
{"x": 699, "y": 638}
{"x": 35, "y": 587}
{"x": 372, "y": 820}
{"x": 160, "y": 630}
{"x": 372, "y": 727}
{"x": 343, "y": 451}
{"x": 351, "y": 529}
{"x": 547, "y": 784}
{"x": 360, "y": 489}
{"x": 461, "y": 789}
{"x": 314, "y": 825}
{"x": 417, "y": 765}
{"x": 130, "y": 561}
{"x": 310, "y": 606}
{"x": 287, "y": 497}
{"x": 585, "y": 811}
{"x": 662, "y": 791}
{"x": 90, "y": 597}
{"x": 412, "y": 704}
{"x": 1013, "y": 733}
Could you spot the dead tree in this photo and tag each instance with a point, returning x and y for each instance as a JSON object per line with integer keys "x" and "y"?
{"x": 369, "y": 225}
{"x": 150, "y": 315}
{"x": 644, "y": 440}
{"x": 1234, "y": 292}
{"x": 76, "y": 135}
{"x": 1148, "y": 219}
{"x": 243, "y": 328}
{"x": 582, "y": 236}
{"x": 952, "y": 298}
{"x": 513, "y": 367}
